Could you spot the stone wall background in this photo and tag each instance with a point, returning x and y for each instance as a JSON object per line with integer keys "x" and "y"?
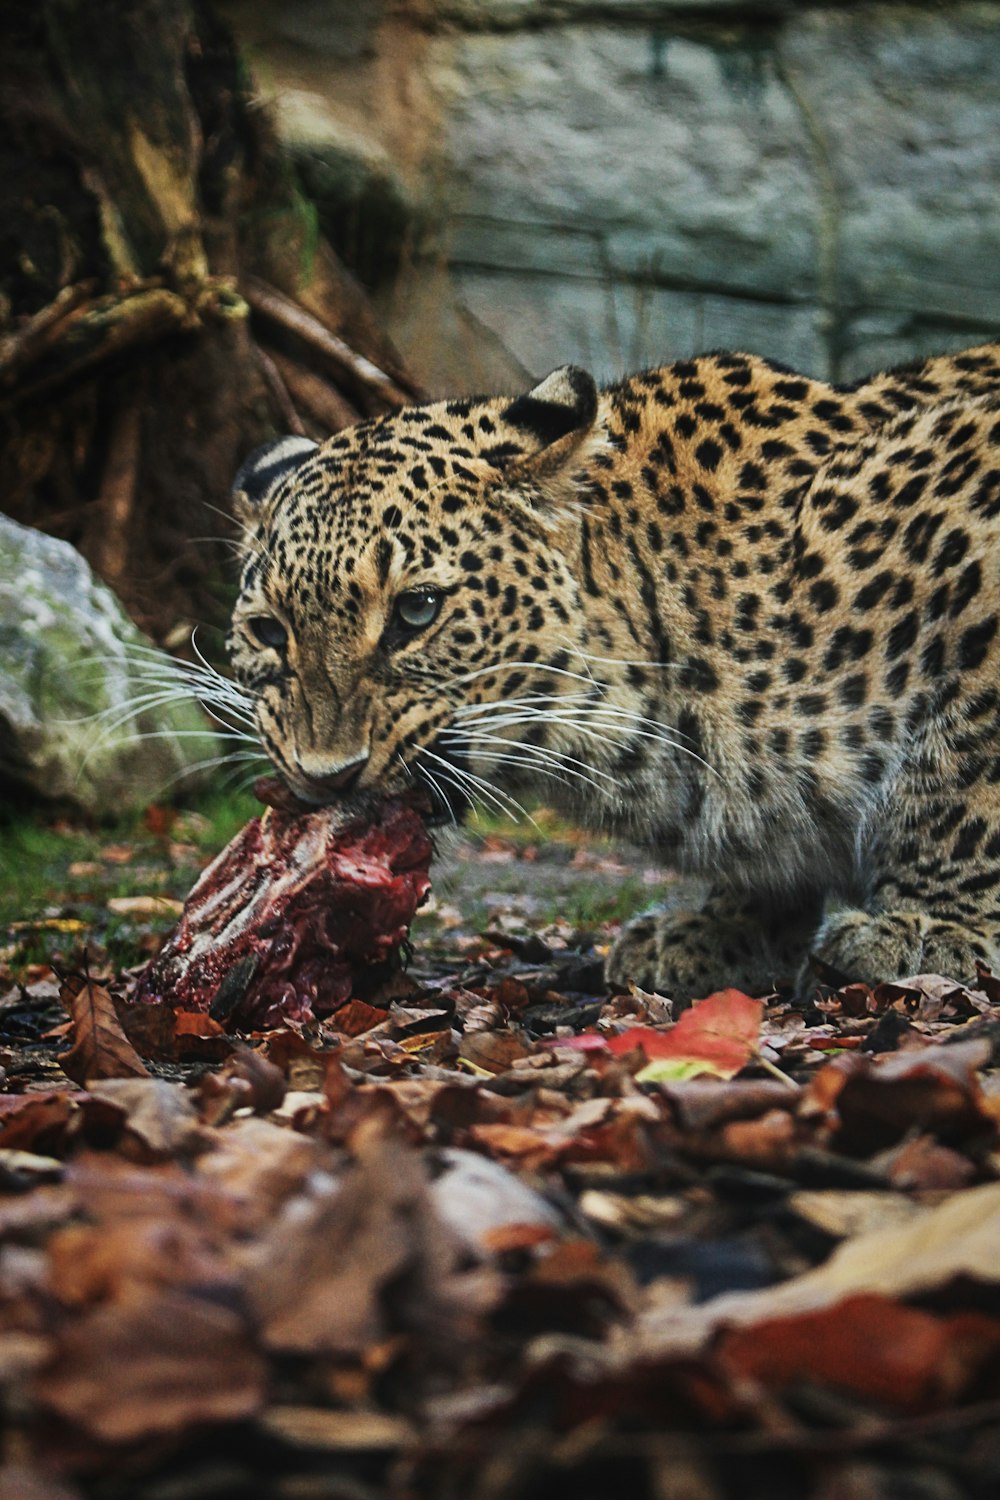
{"x": 617, "y": 182}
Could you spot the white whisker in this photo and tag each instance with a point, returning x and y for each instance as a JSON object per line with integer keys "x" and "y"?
{"x": 594, "y": 720}
{"x": 544, "y": 756}
{"x": 503, "y": 801}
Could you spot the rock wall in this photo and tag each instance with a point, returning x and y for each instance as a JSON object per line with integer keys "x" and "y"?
{"x": 616, "y": 182}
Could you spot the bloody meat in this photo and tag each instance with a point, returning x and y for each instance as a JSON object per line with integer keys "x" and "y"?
{"x": 299, "y": 910}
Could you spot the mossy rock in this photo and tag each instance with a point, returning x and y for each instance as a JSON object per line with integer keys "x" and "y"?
{"x": 69, "y": 668}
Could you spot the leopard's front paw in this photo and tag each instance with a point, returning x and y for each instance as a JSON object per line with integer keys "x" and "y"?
{"x": 633, "y": 957}
{"x": 683, "y": 954}
{"x": 876, "y": 946}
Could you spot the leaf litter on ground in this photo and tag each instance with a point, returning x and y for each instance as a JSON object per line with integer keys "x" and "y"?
{"x": 492, "y": 1227}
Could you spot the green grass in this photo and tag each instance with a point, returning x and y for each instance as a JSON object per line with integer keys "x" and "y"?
{"x": 57, "y": 877}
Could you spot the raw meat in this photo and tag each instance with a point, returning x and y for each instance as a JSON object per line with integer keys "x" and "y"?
{"x": 295, "y": 913}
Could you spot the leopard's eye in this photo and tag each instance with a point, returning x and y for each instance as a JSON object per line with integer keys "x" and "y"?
{"x": 268, "y": 631}
{"x": 418, "y": 608}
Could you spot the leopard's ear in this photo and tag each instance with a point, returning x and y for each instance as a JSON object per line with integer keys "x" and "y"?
{"x": 258, "y": 477}
{"x": 556, "y": 419}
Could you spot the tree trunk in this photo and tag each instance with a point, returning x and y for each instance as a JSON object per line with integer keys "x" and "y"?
{"x": 166, "y": 301}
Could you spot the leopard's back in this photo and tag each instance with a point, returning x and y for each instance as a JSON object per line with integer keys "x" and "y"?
{"x": 744, "y": 615}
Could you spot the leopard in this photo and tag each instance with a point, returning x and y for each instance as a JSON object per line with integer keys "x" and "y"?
{"x": 743, "y": 617}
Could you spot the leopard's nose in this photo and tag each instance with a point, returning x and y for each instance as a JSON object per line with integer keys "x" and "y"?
{"x": 339, "y": 779}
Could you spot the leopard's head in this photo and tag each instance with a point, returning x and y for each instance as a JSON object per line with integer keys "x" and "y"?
{"x": 407, "y": 603}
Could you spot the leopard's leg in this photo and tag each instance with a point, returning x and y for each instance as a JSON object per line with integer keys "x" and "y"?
{"x": 729, "y": 941}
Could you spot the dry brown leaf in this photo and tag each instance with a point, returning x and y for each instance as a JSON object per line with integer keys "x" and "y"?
{"x": 355, "y": 1018}
{"x": 151, "y": 1029}
{"x": 117, "y": 1260}
{"x": 844, "y": 1212}
{"x": 31, "y": 1121}
{"x": 493, "y": 1051}
{"x": 874, "y": 1103}
{"x": 246, "y": 1081}
{"x": 153, "y": 1365}
{"x": 100, "y": 1048}
{"x": 260, "y": 1164}
{"x": 956, "y": 1241}
{"x": 338, "y": 1431}
{"x": 161, "y": 1114}
{"x": 145, "y": 906}
{"x": 702, "y": 1103}
{"x": 318, "y": 1281}
{"x": 920, "y": 1164}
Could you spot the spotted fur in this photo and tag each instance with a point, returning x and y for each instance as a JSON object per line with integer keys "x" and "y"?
{"x": 746, "y": 617}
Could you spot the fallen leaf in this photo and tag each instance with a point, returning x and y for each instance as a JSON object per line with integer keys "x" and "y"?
{"x": 480, "y": 1200}
{"x": 338, "y": 1431}
{"x": 844, "y": 1213}
{"x": 31, "y": 1121}
{"x": 921, "y": 1164}
{"x": 100, "y": 1049}
{"x": 49, "y": 924}
{"x": 718, "y": 1035}
{"x": 493, "y": 1051}
{"x": 532, "y": 1148}
{"x": 28, "y": 1166}
{"x": 355, "y": 1018}
{"x": 902, "y": 1357}
{"x": 125, "y": 1258}
{"x": 117, "y": 854}
{"x": 701, "y": 1104}
{"x": 588, "y": 1041}
{"x": 247, "y": 1081}
{"x": 874, "y": 1103}
{"x": 150, "y": 1029}
{"x": 145, "y": 906}
{"x": 956, "y": 1242}
{"x": 319, "y": 1280}
{"x": 153, "y": 1365}
{"x": 161, "y": 1114}
{"x": 259, "y": 1164}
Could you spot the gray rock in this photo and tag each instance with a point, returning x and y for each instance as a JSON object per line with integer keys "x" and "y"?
{"x": 903, "y": 105}
{"x": 612, "y": 327}
{"x": 623, "y": 181}
{"x": 628, "y": 154}
{"x": 68, "y": 656}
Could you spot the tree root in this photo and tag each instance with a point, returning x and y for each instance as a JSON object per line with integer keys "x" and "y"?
{"x": 361, "y": 376}
{"x": 72, "y": 334}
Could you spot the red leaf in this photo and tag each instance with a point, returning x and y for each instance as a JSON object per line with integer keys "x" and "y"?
{"x": 903, "y": 1357}
{"x": 592, "y": 1041}
{"x": 721, "y": 1033}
